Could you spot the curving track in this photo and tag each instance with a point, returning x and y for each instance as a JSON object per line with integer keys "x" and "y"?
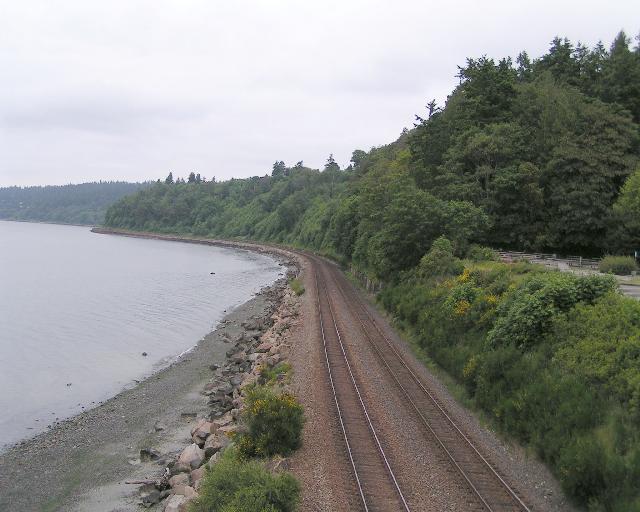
{"x": 378, "y": 487}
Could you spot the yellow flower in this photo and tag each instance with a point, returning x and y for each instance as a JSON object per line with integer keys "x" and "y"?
{"x": 492, "y": 299}
{"x": 465, "y": 276}
{"x": 462, "y": 307}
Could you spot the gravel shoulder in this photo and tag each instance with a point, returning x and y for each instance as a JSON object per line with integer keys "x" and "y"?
{"x": 81, "y": 464}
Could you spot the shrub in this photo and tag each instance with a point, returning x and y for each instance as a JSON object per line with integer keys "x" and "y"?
{"x": 233, "y": 485}
{"x": 620, "y": 265}
{"x": 296, "y": 286}
{"x": 480, "y": 253}
{"x": 525, "y": 317}
{"x": 273, "y": 424}
{"x": 440, "y": 261}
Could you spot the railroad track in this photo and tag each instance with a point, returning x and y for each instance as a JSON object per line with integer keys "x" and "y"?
{"x": 492, "y": 492}
{"x": 377, "y": 485}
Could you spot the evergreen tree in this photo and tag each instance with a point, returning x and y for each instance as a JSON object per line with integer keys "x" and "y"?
{"x": 169, "y": 179}
{"x": 331, "y": 164}
{"x": 279, "y": 169}
{"x": 621, "y": 76}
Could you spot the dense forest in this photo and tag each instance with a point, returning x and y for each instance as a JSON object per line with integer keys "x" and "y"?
{"x": 85, "y": 203}
{"x": 528, "y": 154}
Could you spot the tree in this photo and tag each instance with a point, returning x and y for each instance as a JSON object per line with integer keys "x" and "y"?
{"x": 583, "y": 178}
{"x": 621, "y": 76}
{"x": 560, "y": 62}
{"x": 279, "y": 169}
{"x": 191, "y": 178}
{"x": 357, "y": 157}
{"x": 627, "y": 214}
{"x": 169, "y": 179}
{"x": 331, "y": 164}
{"x": 525, "y": 68}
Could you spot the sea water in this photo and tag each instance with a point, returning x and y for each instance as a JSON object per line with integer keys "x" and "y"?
{"x": 78, "y": 310}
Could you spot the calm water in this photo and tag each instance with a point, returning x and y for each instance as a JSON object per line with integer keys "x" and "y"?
{"x": 80, "y": 308}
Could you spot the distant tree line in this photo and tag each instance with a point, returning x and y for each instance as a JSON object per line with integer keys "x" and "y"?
{"x": 84, "y": 203}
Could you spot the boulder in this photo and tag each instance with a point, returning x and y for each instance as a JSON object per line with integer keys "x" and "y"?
{"x": 151, "y": 498}
{"x": 214, "y": 444}
{"x": 196, "y": 477}
{"x": 238, "y": 357}
{"x": 264, "y": 347}
{"x": 192, "y": 456}
{"x": 179, "y": 479}
{"x": 227, "y": 429}
{"x": 221, "y": 422}
{"x": 254, "y": 357}
{"x": 185, "y": 490}
{"x": 176, "y": 503}
{"x": 197, "y": 426}
{"x": 200, "y": 432}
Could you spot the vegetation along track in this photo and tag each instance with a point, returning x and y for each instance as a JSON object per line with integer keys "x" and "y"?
{"x": 491, "y": 491}
{"x": 377, "y": 486}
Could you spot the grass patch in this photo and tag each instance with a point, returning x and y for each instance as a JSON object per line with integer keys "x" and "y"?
{"x": 278, "y": 374}
{"x": 297, "y": 286}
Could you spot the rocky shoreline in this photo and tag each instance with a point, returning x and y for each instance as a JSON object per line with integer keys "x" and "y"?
{"x": 83, "y": 463}
{"x": 262, "y": 345}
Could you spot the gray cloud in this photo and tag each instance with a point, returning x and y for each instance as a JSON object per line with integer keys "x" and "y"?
{"x": 101, "y": 114}
{"x": 131, "y": 90}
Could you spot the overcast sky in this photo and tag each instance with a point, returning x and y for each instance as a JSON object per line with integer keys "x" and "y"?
{"x": 131, "y": 89}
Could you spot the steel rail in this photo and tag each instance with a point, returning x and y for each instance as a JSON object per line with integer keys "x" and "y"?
{"x": 335, "y": 399}
{"x": 362, "y": 404}
{"x": 468, "y": 442}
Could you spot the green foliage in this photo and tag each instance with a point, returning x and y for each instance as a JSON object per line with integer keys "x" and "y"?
{"x": 625, "y": 234}
{"x": 553, "y": 359}
{"x": 526, "y": 314}
{"x": 235, "y": 485}
{"x": 86, "y": 203}
{"x": 273, "y": 423}
{"x": 620, "y": 265}
{"x": 297, "y": 286}
{"x": 272, "y": 375}
{"x": 440, "y": 260}
{"x": 543, "y": 148}
{"x": 479, "y": 253}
